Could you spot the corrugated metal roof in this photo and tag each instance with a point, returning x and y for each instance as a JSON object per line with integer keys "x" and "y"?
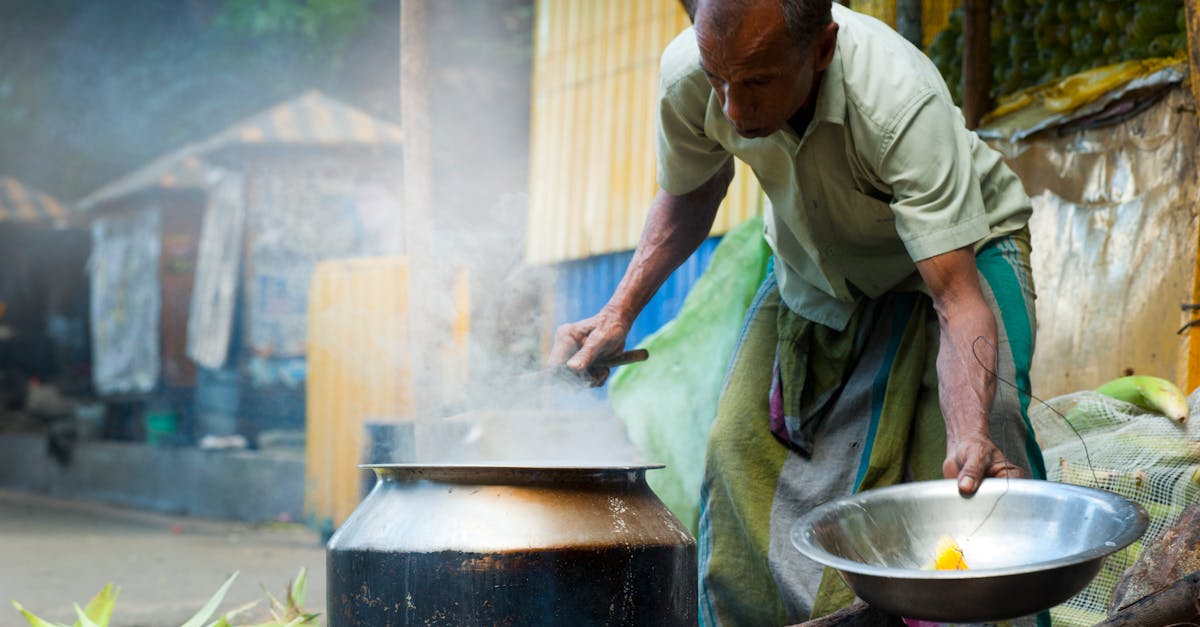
{"x": 311, "y": 119}
{"x": 595, "y": 85}
{"x": 25, "y": 204}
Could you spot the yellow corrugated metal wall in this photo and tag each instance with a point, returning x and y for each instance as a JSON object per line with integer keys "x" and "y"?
{"x": 595, "y": 85}
{"x": 359, "y": 370}
{"x": 935, "y": 14}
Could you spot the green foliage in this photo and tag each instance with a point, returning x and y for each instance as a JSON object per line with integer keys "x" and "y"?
{"x": 284, "y": 614}
{"x": 1035, "y": 42}
{"x": 326, "y": 24}
{"x": 97, "y": 614}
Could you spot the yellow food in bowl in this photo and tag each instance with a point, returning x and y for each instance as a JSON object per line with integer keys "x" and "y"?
{"x": 949, "y": 556}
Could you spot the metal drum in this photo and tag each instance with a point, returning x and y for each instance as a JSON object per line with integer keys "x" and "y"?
{"x": 510, "y": 545}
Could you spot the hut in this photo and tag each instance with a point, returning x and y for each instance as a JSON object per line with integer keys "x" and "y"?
{"x": 204, "y": 257}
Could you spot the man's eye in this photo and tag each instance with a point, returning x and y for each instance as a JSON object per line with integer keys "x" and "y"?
{"x": 759, "y": 81}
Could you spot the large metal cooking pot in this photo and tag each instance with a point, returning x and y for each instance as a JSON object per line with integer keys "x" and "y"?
{"x": 508, "y": 545}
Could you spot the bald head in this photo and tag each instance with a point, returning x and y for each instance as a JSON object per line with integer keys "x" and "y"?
{"x": 801, "y": 19}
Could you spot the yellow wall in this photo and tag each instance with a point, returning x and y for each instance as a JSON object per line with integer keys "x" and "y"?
{"x": 935, "y": 14}
{"x": 595, "y": 84}
{"x": 359, "y": 369}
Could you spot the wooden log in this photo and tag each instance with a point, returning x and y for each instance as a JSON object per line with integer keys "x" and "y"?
{"x": 1170, "y": 558}
{"x": 857, "y": 615}
{"x": 1177, "y": 604}
{"x": 977, "y": 60}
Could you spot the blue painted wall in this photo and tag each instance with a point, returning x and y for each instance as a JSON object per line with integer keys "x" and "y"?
{"x": 585, "y": 285}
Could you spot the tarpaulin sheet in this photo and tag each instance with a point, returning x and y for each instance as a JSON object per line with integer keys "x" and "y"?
{"x": 1078, "y": 96}
{"x": 1114, "y": 244}
{"x": 669, "y": 402}
{"x": 126, "y": 301}
{"x": 218, "y": 263}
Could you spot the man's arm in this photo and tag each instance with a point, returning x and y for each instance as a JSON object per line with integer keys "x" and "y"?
{"x": 675, "y": 228}
{"x": 966, "y": 386}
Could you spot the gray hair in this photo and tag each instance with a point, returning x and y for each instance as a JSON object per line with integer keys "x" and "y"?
{"x": 803, "y": 18}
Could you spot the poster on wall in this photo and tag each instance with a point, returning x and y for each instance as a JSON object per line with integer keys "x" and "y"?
{"x": 298, "y": 218}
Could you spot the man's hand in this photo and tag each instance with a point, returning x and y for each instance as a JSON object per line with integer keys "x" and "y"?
{"x": 579, "y": 345}
{"x": 675, "y": 228}
{"x": 972, "y": 458}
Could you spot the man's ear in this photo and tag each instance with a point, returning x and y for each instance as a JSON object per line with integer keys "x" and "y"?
{"x": 824, "y": 46}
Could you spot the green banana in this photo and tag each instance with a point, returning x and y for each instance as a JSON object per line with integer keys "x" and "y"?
{"x": 1150, "y": 393}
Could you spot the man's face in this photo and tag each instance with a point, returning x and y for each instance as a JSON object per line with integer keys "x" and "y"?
{"x": 760, "y": 76}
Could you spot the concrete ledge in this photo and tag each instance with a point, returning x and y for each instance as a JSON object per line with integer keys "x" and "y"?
{"x": 248, "y": 486}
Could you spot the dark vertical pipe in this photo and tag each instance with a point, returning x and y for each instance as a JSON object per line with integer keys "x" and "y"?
{"x": 977, "y": 62}
{"x": 908, "y": 21}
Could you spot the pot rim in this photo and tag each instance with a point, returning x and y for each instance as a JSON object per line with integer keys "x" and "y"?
{"x": 508, "y": 472}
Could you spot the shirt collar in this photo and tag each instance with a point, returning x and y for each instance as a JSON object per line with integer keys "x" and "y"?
{"x": 831, "y": 99}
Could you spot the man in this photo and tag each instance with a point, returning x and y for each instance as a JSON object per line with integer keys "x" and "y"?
{"x": 900, "y": 288}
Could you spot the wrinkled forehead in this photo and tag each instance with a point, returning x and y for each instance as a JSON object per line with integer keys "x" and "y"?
{"x": 742, "y": 34}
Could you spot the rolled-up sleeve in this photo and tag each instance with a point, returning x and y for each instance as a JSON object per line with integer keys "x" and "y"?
{"x": 936, "y": 197}
{"x": 687, "y": 157}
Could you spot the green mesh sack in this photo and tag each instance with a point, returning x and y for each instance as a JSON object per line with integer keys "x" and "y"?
{"x": 1145, "y": 457}
{"x": 669, "y": 402}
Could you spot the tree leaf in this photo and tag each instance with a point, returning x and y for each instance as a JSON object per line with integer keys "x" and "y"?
{"x": 299, "y": 590}
{"x": 209, "y": 608}
{"x": 82, "y": 619}
{"x": 228, "y": 616}
{"x": 100, "y": 608}
{"x": 34, "y": 620}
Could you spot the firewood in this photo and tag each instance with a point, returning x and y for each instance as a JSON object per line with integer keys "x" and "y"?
{"x": 1172, "y": 557}
{"x": 1177, "y": 604}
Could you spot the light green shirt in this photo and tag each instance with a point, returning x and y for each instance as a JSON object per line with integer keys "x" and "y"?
{"x": 886, "y": 174}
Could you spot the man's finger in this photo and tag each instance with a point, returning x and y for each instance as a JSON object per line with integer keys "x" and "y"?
{"x": 565, "y": 345}
{"x": 583, "y": 358}
{"x": 1004, "y": 469}
{"x": 970, "y": 475}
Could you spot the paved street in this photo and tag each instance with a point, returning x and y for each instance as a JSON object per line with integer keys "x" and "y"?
{"x": 53, "y": 553}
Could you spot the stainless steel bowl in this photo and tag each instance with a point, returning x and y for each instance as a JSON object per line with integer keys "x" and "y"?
{"x": 1029, "y": 545}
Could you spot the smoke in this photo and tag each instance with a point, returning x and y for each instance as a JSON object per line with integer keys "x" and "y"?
{"x": 508, "y": 405}
{"x": 95, "y": 90}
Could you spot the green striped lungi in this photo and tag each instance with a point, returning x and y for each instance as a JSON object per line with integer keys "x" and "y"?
{"x": 883, "y": 426}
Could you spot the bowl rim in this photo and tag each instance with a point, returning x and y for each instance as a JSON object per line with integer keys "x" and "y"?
{"x": 801, "y": 536}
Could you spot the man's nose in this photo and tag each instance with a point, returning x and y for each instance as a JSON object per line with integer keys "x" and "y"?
{"x": 736, "y": 106}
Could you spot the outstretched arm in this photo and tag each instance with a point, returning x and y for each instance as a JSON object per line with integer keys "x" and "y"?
{"x": 966, "y": 386}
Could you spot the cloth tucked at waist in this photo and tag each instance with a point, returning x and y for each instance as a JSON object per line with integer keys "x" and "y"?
{"x": 814, "y": 363}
